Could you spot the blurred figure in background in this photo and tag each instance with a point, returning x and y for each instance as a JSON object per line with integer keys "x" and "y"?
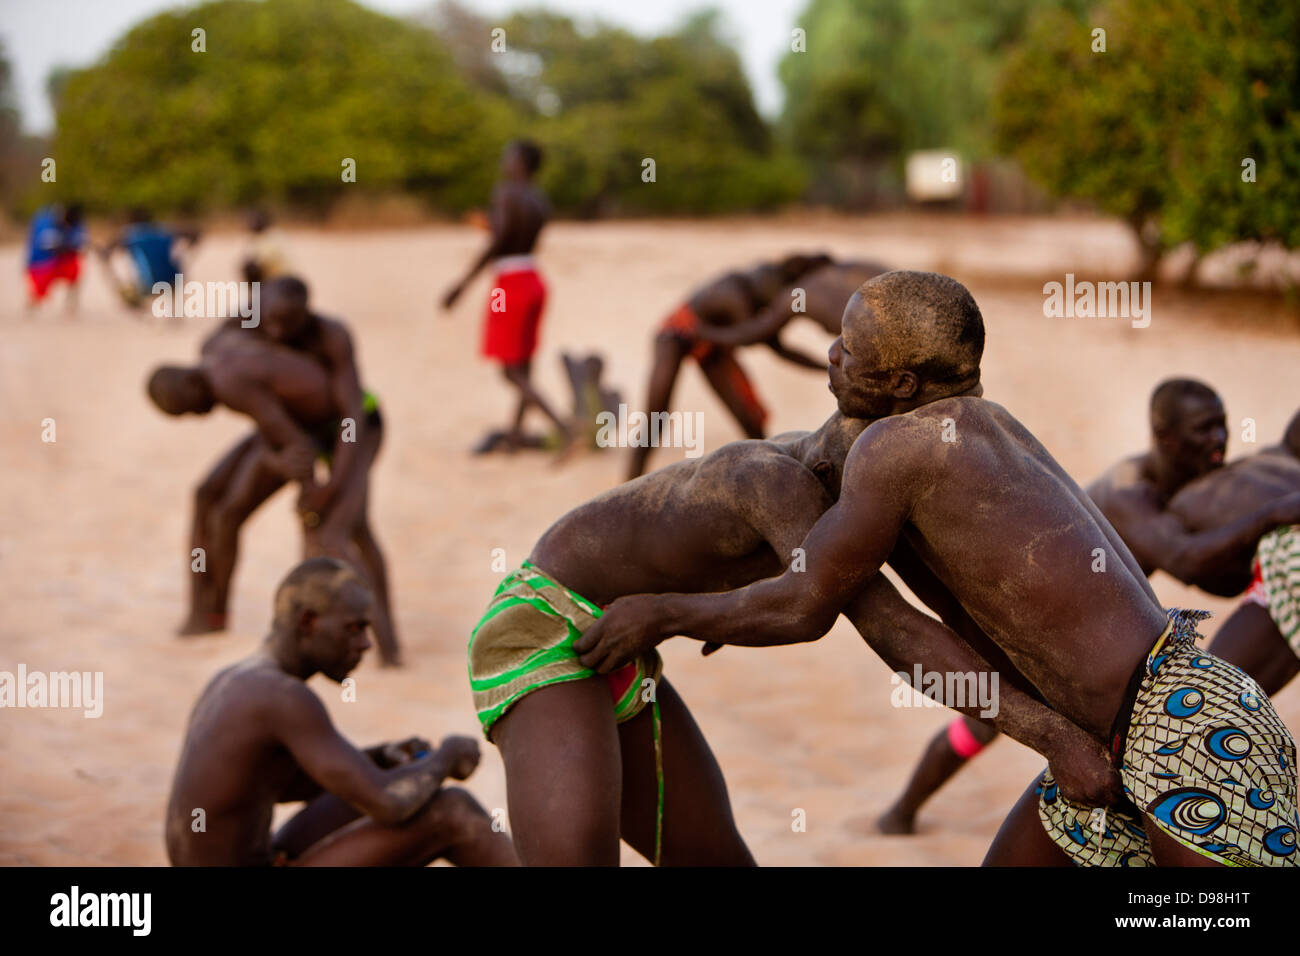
{"x": 264, "y": 255}
{"x": 54, "y": 247}
{"x": 152, "y": 248}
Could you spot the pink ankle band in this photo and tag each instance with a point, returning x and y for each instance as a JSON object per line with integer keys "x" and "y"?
{"x": 963, "y": 742}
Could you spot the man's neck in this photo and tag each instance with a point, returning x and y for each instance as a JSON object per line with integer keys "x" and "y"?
{"x": 277, "y": 648}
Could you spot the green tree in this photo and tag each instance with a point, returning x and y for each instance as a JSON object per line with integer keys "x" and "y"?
{"x": 286, "y": 90}
{"x": 1155, "y": 129}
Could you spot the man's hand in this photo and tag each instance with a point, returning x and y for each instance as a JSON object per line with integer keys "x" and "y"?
{"x": 295, "y": 462}
{"x": 628, "y": 629}
{"x": 461, "y": 754}
{"x": 452, "y": 295}
{"x": 1083, "y": 770}
{"x": 397, "y": 753}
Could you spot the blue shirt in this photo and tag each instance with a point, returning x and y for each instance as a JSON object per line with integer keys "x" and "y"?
{"x": 150, "y": 248}
{"x": 49, "y": 237}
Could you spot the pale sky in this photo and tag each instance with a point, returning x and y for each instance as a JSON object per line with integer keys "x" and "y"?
{"x": 41, "y": 34}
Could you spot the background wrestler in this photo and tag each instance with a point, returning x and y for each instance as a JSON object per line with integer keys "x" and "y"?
{"x": 1019, "y": 563}
{"x": 576, "y": 779}
{"x": 518, "y": 296}
{"x": 298, "y": 402}
{"x": 731, "y": 301}
{"x": 259, "y": 736}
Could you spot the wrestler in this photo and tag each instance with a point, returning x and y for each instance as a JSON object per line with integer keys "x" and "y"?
{"x": 154, "y": 251}
{"x": 591, "y": 759}
{"x": 736, "y": 303}
{"x": 295, "y": 375}
{"x": 1208, "y": 542}
{"x": 1208, "y": 767}
{"x": 518, "y": 295}
{"x": 258, "y": 736}
{"x": 54, "y": 245}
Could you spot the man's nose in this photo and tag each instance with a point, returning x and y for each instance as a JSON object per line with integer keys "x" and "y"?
{"x": 835, "y": 352}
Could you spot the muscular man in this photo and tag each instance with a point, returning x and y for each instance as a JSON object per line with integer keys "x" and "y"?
{"x": 258, "y": 736}
{"x": 1208, "y": 767}
{"x": 296, "y": 376}
{"x": 1208, "y": 540}
{"x": 745, "y": 308}
{"x": 514, "y": 310}
{"x": 590, "y": 759}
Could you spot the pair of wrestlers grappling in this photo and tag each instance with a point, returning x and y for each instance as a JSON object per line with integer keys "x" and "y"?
{"x": 1158, "y": 752}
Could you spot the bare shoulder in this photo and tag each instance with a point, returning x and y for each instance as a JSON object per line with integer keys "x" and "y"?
{"x": 334, "y": 335}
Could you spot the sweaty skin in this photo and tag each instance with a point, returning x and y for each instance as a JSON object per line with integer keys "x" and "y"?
{"x": 730, "y": 518}
{"x": 258, "y": 736}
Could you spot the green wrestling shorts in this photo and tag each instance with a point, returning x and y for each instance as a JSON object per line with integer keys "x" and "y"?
{"x": 1275, "y": 585}
{"x": 1204, "y": 756}
{"x": 327, "y": 433}
{"x": 524, "y": 642}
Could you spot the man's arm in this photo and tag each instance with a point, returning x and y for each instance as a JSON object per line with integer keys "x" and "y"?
{"x": 763, "y": 326}
{"x": 844, "y": 549}
{"x": 292, "y": 449}
{"x": 905, "y": 638}
{"x": 795, "y": 356}
{"x": 387, "y": 796}
{"x": 503, "y": 215}
{"x": 1160, "y": 539}
{"x": 1291, "y": 437}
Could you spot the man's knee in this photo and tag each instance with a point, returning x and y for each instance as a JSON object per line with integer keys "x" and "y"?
{"x": 453, "y": 815}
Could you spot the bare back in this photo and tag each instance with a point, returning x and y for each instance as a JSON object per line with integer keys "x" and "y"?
{"x": 235, "y": 361}
{"x": 714, "y": 524}
{"x": 1236, "y": 489}
{"x": 519, "y": 211}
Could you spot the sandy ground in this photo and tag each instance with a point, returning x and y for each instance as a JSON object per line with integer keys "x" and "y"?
{"x": 93, "y": 526}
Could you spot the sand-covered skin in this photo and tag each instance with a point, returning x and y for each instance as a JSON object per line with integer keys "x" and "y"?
{"x": 93, "y": 527}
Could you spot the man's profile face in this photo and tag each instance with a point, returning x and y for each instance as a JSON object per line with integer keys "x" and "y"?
{"x": 855, "y": 381}
{"x": 1197, "y": 440}
{"x": 337, "y": 639}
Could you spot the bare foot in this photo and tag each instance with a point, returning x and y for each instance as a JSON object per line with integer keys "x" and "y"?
{"x": 202, "y": 624}
{"x": 895, "y": 821}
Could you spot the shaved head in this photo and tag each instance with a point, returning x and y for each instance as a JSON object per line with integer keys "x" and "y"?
{"x": 176, "y": 389}
{"x": 314, "y": 586}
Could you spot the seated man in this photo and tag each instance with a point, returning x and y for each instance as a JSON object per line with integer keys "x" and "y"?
{"x": 591, "y": 759}
{"x": 258, "y": 736}
{"x": 729, "y": 301}
{"x": 295, "y": 375}
{"x": 1208, "y": 767}
{"x": 1204, "y": 534}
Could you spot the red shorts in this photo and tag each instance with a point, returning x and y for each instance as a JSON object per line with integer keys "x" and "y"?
{"x": 683, "y": 325}
{"x": 43, "y": 274}
{"x": 514, "y": 312}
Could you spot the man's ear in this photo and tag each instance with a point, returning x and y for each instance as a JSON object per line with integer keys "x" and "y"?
{"x": 824, "y": 471}
{"x": 906, "y": 384}
{"x": 306, "y": 623}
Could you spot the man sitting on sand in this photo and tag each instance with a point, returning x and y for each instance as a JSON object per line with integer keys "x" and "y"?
{"x": 518, "y": 296}
{"x": 589, "y": 759}
{"x": 295, "y": 375}
{"x": 1180, "y": 510}
{"x": 152, "y": 248}
{"x": 1208, "y": 767}
{"x": 731, "y": 301}
{"x": 258, "y": 736}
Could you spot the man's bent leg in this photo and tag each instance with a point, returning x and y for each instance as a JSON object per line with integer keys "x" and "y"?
{"x": 698, "y": 828}
{"x": 668, "y": 356}
{"x": 563, "y": 778}
{"x": 206, "y": 614}
{"x": 1022, "y": 840}
{"x": 452, "y": 825}
{"x": 947, "y": 753}
{"x": 252, "y": 483}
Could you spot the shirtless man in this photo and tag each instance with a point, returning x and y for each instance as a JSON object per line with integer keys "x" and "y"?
{"x": 514, "y": 311}
{"x": 1208, "y": 541}
{"x": 1208, "y": 766}
{"x": 258, "y": 736}
{"x": 581, "y": 752}
{"x": 744, "y": 308}
{"x": 295, "y": 375}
